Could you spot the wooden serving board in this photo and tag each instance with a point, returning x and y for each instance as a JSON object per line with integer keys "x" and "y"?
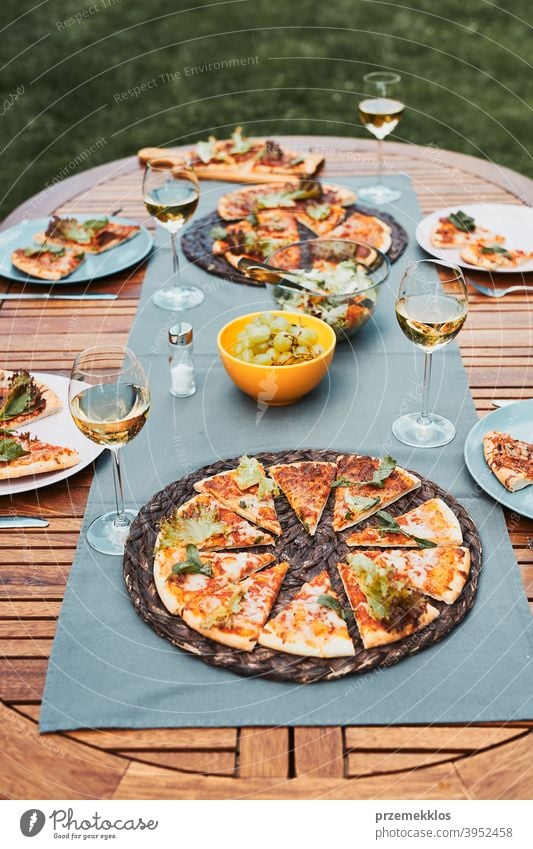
{"x": 197, "y": 243}
{"x": 307, "y": 556}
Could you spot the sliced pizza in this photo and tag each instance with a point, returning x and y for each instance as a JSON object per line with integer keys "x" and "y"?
{"x": 22, "y": 454}
{"x": 180, "y": 572}
{"x": 438, "y": 572}
{"x": 246, "y": 490}
{"x": 386, "y": 609}
{"x": 511, "y": 460}
{"x": 205, "y": 522}
{"x": 234, "y": 613}
{"x": 24, "y": 400}
{"x": 432, "y": 521}
{"x": 493, "y": 257}
{"x": 93, "y": 236}
{"x": 459, "y": 229}
{"x": 368, "y": 229}
{"x": 46, "y": 261}
{"x": 365, "y": 485}
{"x": 320, "y": 218}
{"x": 307, "y": 487}
{"x": 242, "y": 202}
{"x": 256, "y": 237}
{"x": 312, "y": 624}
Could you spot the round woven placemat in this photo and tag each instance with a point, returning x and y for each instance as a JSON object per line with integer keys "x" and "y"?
{"x": 197, "y": 243}
{"x": 307, "y": 556}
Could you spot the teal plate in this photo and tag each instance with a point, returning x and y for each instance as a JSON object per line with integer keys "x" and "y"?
{"x": 93, "y": 267}
{"x": 517, "y": 420}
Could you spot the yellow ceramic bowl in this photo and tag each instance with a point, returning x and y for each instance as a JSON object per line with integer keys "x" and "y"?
{"x": 276, "y": 385}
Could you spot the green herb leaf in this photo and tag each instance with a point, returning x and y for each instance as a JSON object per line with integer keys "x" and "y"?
{"x": 180, "y": 530}
{"x": 70, "y": 229}
{"x": 319, "y": 212}
{"x": 218, "y": 232}
{"x": 495, "y": 249}
{"x": 240, "y": 144}
{"x": 462, "y": 221}
{"x": 95, "y": 224}
{"x": 250, "y": 473}
{"x": 296, "y": 160}
{"x": 242, "y": 504}
{"x": 359, "y": 503}
{"x": 273, "y": 200}
{"x": 390, "y": 525}
{"x": 45, "y": 248}
{"x": 333, "y": 604}
{"x": 344, "y": 482}
{"x": 223, "y": 614}
{"x": 385, "y": 469}
{"x": 10, "y": 449}
{"x": 205, "y": 150}
{"x": 192, "y": 565}
{"x": 23, "y": 396}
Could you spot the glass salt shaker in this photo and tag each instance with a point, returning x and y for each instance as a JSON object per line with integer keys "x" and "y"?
{"x": 180, "y": 346}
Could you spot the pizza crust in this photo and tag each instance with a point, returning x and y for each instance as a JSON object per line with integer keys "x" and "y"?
{"x": 37, "y": 464}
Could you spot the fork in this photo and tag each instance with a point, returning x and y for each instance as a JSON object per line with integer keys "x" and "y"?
{"x": 498, "y": 293}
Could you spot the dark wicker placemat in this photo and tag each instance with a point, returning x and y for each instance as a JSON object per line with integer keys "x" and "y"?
{"x": 307, "y": 556}
{"x": 197, "y": 243}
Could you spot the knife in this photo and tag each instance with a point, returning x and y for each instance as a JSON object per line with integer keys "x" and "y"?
{"x": 88, "y": 296}
{"x": 22, "y": 522}
{"x": 504, "y": 402}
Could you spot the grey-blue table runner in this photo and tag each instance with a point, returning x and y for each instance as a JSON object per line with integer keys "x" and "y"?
{"x": 109, "y": 669}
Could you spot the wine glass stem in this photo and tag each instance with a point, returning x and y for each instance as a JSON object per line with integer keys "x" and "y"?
{"x": 424, "y": 417}
{"x": 380, "y": 161}
{"x": 175, "y": 261}
{"x": 121, "y": 520}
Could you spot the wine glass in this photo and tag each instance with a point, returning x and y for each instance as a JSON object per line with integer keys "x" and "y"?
{"x": 380, "y": 112}
{"x": 171, "y": 193}
{"x": 109, "y": 400}
{"x": 431, "y": 308}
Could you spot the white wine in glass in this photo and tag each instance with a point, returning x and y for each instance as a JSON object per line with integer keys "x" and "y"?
{"x": 171, "y": 193}
{"x": 431, "y": 308}
{"x": 380, "y": 112}
{"x": 109, "y": 401}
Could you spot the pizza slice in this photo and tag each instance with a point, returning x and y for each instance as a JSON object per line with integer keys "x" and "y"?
{"x": 307, "y": 486}
{"x": 283, "y": 195}
{"x": 93, "y": 236}
{"x": 368, "y": 229}
{"x": 23, "y": 400}
{"x": 205, "y": 522}
{"x": 320, "y": 218}
{"x": 234, "y": 613}
{"x": 432, "y": 521}
{"x": 22, "y": 454}
{"x": 365, "y": 485}
{"x": 438, "y": 572}
{"x": 511, "y": 460}
{"x": 459, "y": 229}
{"x": 247, "y": 491}
{"x": 312, "y": 624}
{"x": 386, "y": 609}
{"x": 180, "y": 572}
{"x": 493, "y": 257}
{"x": 47, "y": 262}
{"x": 272, "y": 159}
{"x": 256, "y": 237}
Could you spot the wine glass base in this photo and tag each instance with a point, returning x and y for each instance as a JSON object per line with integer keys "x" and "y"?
{"x": 105, "y": 537}
{"x": 177, "y": 299}
{"x": 439, "y": 431}
{"x": 378, "y": 194}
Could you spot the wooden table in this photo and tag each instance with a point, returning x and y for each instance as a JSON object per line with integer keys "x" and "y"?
{"x": 475, "y": 761}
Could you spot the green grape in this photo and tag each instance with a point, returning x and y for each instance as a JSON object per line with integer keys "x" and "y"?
{"x": 258, "y": 335}
{"x": 246, "y": 356}
{"x": 317, "y": 350}
{"x": 283, "y": 357}
{"x": 307, "y": 336}
{"x": 301, "y": 351}
{"x": 262, "y": 348}
{"x": 279, "y": 324}
{"x": 282, "y": 342}
{"x": 263, "y": 359}
{"x": 265, "y": 318}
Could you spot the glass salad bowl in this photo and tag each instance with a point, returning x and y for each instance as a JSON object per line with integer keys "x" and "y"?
{"x": 343, "y": 278}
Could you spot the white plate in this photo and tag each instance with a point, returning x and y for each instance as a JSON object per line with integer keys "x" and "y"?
{"x": 58, "y": 429}
{"x": 516, "y": 419}
{"x": 509, "y": 220}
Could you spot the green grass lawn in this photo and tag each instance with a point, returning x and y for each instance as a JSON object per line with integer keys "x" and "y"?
{"x": 125, "y": 74}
